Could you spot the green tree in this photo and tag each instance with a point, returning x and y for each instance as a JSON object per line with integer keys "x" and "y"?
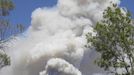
{"x": 5, "y": 28}
{"x": 114, "y": 41}
{"x": 5, "y": 7}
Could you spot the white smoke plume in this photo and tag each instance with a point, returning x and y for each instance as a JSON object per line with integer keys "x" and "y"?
{"x": 57, "y": 32}
{"x": 56, "y": 66}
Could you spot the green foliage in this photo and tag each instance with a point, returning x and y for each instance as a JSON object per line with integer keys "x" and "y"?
{"x": 6, "y": 29}
{"x": 114, "y": 40}
{"x": 4, "y": 60}
{"x": 5, "y": 7}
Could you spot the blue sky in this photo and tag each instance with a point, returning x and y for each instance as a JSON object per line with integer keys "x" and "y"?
{"x": 23, "y": 9}
{"x": 129, "y": 4}
{"x": 22, "y": 12}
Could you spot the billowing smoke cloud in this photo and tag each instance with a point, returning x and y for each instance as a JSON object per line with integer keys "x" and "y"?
{"x": 57, "y": 32}
{"x": 58, "y": 66}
